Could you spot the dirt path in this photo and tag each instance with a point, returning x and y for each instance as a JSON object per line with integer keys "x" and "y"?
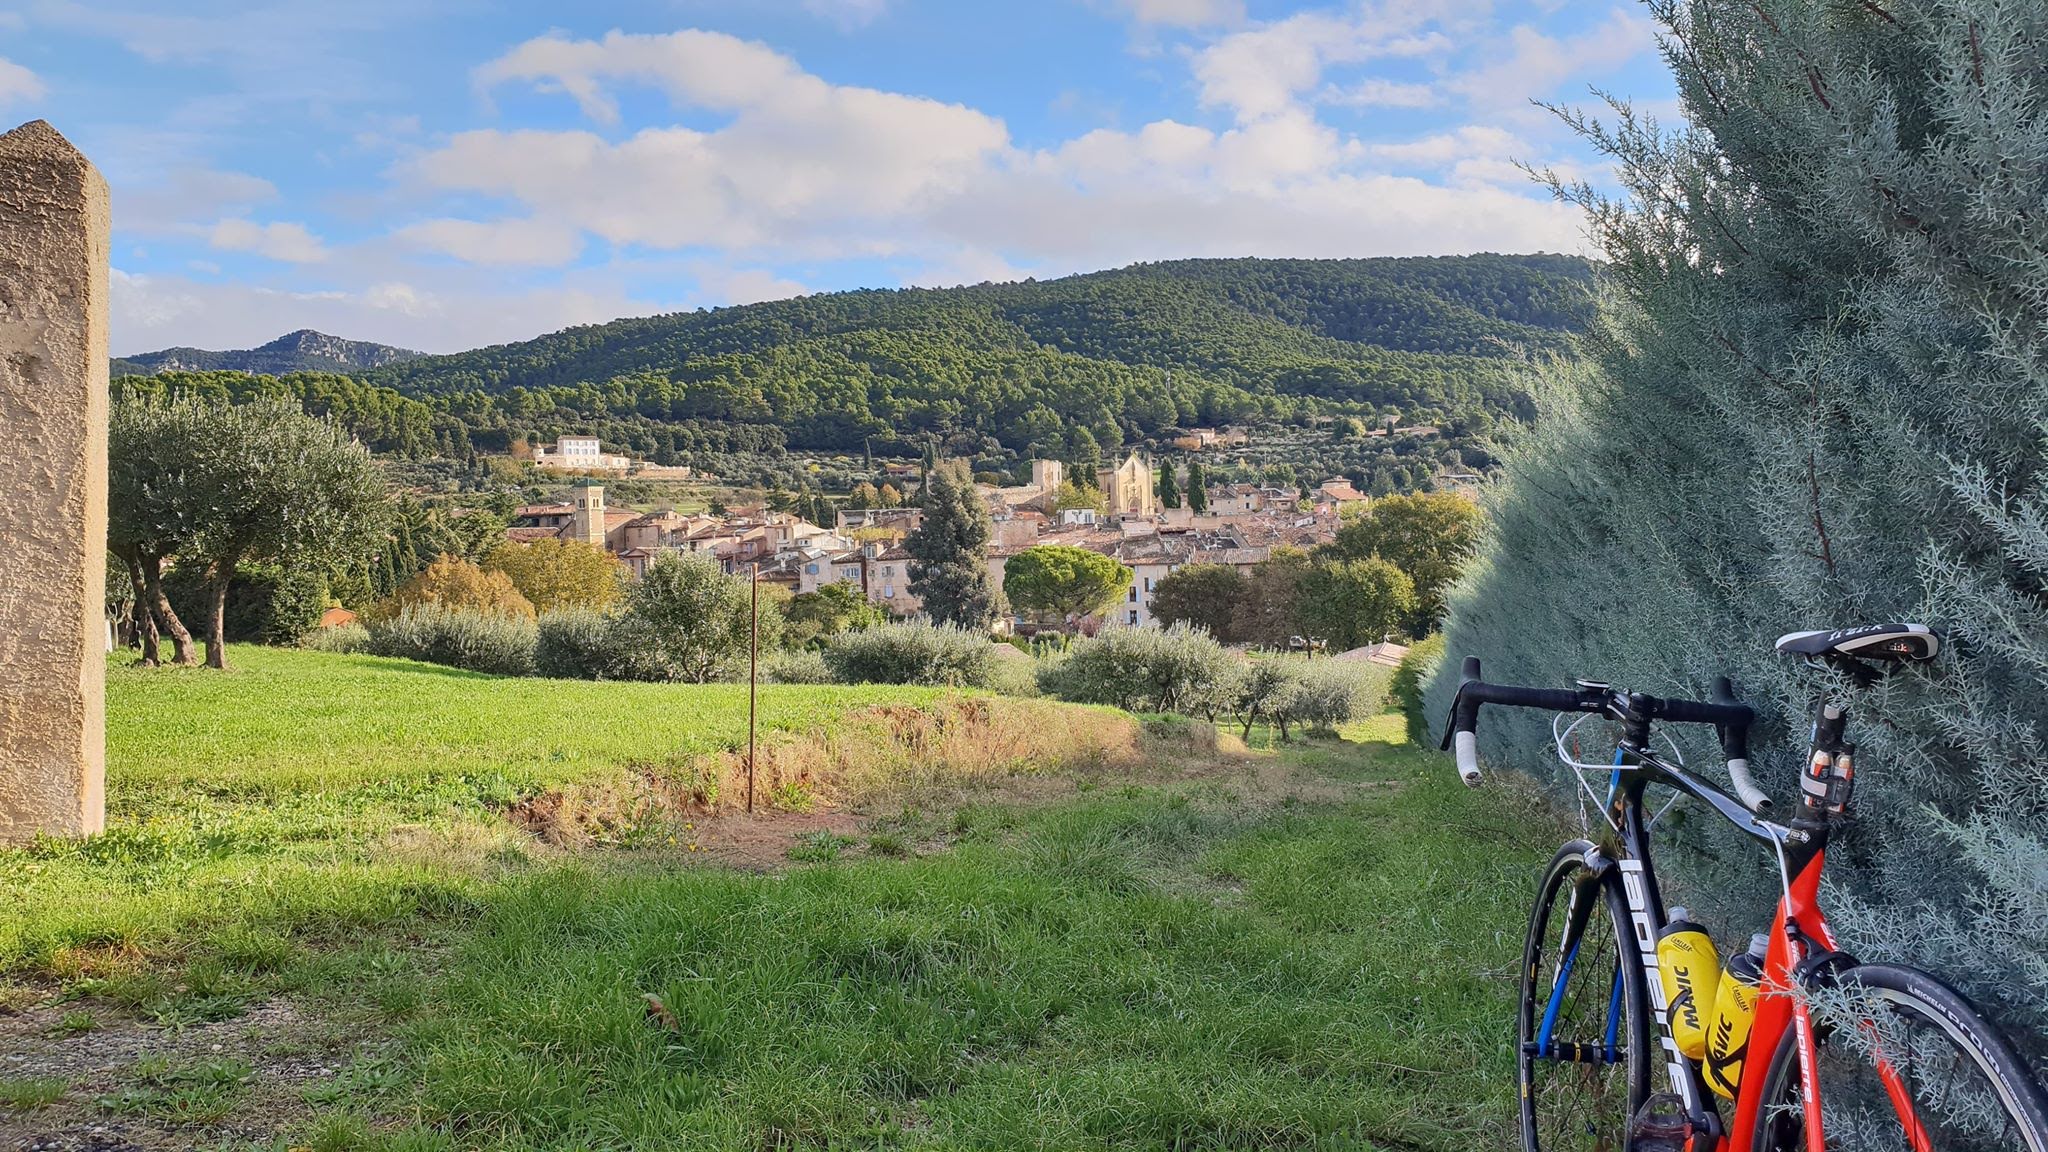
{"x": 135, "y": 1085}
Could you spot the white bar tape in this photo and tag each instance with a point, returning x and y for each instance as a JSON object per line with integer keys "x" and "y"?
{"x": 1466, "y": 747}
{"x": 1752, "y": 797}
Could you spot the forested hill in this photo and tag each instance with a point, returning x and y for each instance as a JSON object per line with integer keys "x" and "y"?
{"x": 1121, "y": 354}
{"x": 301, "y": 351}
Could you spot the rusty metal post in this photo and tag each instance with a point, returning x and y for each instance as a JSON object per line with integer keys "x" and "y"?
{"x": 753, "y": 677}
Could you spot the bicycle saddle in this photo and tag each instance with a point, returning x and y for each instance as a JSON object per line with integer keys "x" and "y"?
{"x": 1900, "y": 642}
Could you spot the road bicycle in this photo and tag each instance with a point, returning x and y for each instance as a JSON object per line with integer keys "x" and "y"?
{"x": 1840, "y": 1054}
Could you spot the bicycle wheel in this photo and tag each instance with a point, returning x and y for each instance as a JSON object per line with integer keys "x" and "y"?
{"x": 1584, "y": 1034}
{"x": 1899, "y": 1048}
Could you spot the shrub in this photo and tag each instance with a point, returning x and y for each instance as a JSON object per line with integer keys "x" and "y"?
{"x": 1013, "y": 672}
{"x": 575, "y": 644}
{"x": 460, "y": 638}
{"x": 265, "y": 605}
{"x": 1177, "y": 669}
{"x": 455, "y": 584}
{"x": 1326, "y": 693}
{"x": 342, "y": 638}
{"x": 801, "y": 667}
{"x": 1410, "y": 678}
{"x": 912, "y": 653}
{"x": 687, "y": 620}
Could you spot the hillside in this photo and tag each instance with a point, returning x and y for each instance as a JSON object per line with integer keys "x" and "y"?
{"x": 1071, "y": 368}
{"x": 1121, "y": 353}
{"x": 301, "y": 351}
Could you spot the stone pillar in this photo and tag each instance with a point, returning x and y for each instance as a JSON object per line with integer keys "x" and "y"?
{"x": 53, "y": 487}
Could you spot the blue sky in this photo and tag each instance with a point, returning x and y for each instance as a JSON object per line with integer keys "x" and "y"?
{"x": 441, "y": 174}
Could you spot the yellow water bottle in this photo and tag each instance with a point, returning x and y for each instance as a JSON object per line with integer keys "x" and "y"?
{"x": 1690, "y": 970}
{"x": 1734, "y": 1012}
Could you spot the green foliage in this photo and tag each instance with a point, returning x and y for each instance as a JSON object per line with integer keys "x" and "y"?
{"x": 181, "y": 1093}
{"x": 685, "y": 619}
{"x": 803, "y": 666}
{"x": 1169, "y": 486}
{"x": 1815, "y": 401}
{"x": 949, "y": 554}
{"x": 261, "y": 483}
{"x": 1198, "y": 488}
{"x": 459, "y": 638}
{"x": 1298, "y": 692}
{"x": 1270, "y": 612}
{"x": 1355, "y": 602}
{"x": 576, "y": 643}
{"x": 1086, "y": 356}
{"x": 1321, "y": 695}
{"x": 832, "y": 609}
{"x": 340, "y": 639}
{"x": 268, "y": 605}
{"x": 1411, "y": 678}
{"x": 29, "y": 1093}
{"x": 1427, "y": 535}
{"x": 1174, "y": 669}
{"x": 1075, "y": 496}
{"x": 912, "y": 653}
{"x": 1064, "y": 581}
{"x": 1207, "y": 596}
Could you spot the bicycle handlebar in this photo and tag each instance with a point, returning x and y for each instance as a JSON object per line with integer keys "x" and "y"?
{"x": 1730, "y": 717}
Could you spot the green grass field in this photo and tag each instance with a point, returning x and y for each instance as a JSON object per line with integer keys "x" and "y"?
{"x": 1309, "y": 952}
{"x": 267, "y": 797}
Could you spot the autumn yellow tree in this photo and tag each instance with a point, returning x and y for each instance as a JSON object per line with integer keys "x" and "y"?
{"x": 559, "y": 573}
{"x": 452, "y": 583}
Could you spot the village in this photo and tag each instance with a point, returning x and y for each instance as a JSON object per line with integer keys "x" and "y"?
{"x": 1238, "y": 527}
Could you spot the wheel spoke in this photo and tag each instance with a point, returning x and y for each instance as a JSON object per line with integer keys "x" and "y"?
{"x": 1894, "y": 1077}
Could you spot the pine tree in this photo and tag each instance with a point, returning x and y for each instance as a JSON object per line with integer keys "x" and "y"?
{"x": 1169, "y": 490}
{"x": 1814, "y": 400}
{"x": 949, "y": 553}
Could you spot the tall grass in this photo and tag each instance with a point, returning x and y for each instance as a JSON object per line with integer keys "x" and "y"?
{"x": 1137, "y": 971}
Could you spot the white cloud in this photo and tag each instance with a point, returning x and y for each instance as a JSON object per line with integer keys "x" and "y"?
{"x": 497, "y": 243}
{"x": 176, "y": 202}
{"x": 281, "y": 240}
{"x": 1378, "y": 92}
{"x": 18, "y": 83}
{"x": 766, "y": 168}
{"x": 1472, "y": 140}
{"x": 1184, "y": 13}
{"x": 1534, "y": 64}
{"x": 1262, "y": 71}
{"x": 798, "y": 156}
{"x": 746, "y": 285}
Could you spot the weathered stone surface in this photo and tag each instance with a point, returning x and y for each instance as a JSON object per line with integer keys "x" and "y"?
{"x": 53, "y": 486}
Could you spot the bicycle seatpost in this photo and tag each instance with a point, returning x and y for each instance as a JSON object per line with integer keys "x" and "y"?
{"x": 1830, "y": 776}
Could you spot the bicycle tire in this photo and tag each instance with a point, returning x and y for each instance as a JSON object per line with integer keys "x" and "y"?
{"x": 1614, "y": 1090}
{"x": 1945, "y": 1113}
